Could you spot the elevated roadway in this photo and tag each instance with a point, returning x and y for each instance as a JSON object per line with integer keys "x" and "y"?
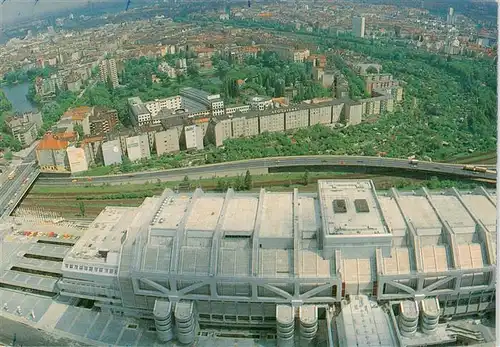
{"x": 12, "y": 191}
{"x": 221, "y": 169}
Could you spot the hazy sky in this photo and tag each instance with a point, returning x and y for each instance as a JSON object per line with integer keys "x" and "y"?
{"x": 13, "y": 9}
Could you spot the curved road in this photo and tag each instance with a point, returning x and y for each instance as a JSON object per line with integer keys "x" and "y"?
{"x": 319, "y": 160}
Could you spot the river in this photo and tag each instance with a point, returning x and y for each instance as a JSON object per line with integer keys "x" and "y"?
{"x": 17, "y": 96}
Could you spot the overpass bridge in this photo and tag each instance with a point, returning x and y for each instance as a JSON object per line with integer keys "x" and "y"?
{"x": 13, "y": 191}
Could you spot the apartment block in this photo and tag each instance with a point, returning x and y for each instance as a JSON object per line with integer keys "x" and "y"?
{"x": 108, "y": 72}
{"x": 296, "y": 118}
{"x": 139, "y": 114}
{"x": 337, "y": 112}
{"x": 193, "y": 137}
{"x": 379, "y": 81}
{"x": 353, "y": 113}
{"x": 320, "y": 115}
{"x": 154, "y": 107}
{"x": 261, "y": 103}
{"x": 237, "y": 108}
{"x": 219, "y": 130}
{"x": 112, "y": 153}
{"x": 23, "y": 130}
{"x": 101, "y": 121}
{"x": 358, "y": 26}
{"x": 167, "y": 141}
{"x": 272, "y": 121}
{"x": 138, "y": 147}
{"x": 245, "y": 125}
{"x": 77, "y": 159}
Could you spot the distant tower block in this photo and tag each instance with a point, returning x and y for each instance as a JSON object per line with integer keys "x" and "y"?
{"x": 285, "y": 325}
{"x": 308, "y": 325}
{"x": 430, "y": 315}
{"x": 163, "y": 320}
{"x": 408, "y": 318}
{"x": 185, "y": 322}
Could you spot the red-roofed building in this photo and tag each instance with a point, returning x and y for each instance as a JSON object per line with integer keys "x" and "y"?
{"x": 51, "y": 154}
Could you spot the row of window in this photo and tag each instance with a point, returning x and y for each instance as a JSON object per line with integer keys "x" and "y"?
{"x": 91, "y": 269}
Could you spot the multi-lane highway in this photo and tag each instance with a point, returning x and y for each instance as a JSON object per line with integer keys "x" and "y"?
{"x": 221, "y": 168}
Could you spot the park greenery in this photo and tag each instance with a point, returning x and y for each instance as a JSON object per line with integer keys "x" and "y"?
{"x": 7, "y": 141}
{"x": 26, "y": 75}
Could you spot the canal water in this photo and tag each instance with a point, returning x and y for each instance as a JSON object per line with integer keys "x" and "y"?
{"x": 17, "y": 96}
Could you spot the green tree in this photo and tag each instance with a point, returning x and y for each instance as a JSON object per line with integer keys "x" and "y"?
{"x": 248, "y": 180}
{"x": 81, "y": 206}
{"x": 8, "y": 155}
{"x": 305, "y": 178}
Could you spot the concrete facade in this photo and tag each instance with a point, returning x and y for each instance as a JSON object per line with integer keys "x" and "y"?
{"x": 273, "y": 121}
{"x": 168, "y": 141}
{"x": 296, "y": 118}
{"x": 138, "y": 147}
{"x": 193, "y": 136}
{"x": 112, "y": 153}
{"x": 251, "y": 260}
{"x": 77, "y": 159}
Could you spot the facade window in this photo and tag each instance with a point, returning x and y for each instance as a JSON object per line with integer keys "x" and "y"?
{"x": 100, "y": 269}
{"x": 80, "y": 267}
{"x": 71, "y": 266}
{"x": 85, "y": 268}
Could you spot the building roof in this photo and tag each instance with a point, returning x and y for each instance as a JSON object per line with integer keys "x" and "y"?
{"x": 50, "y": 142}
{"x": 78, "y": 113}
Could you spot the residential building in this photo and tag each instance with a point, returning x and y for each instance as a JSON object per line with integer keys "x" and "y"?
{"x": 450, "y": 16}
{"x": 167, "y": 141}
{"x": 92, "y": 147}
{"x": 51, "y": 154}
{"x": 112, "y": 153}
{"x": 33, "y": 117}
{"x": 237, "y": 108}
{"x": 245, "y": 125}
{"x": 74, "y": 83}
{"x": 193, "y": 137}
{"x": 22, "y": 129}
{"x": 296, "y": 118}
{"x": 101, "y": 121}
{"x": 77, "y": 159}
{"x": 320, "y": 115}
{"x": 108, "y": 72}
{"x": 171, "y": 103}
{"x": 300, "y": 56}
{"x": 358, "y": 26}
{"x": 138, "y": 147}
{"x": 77, "y": 116}
{"x": 139, "y": 114}
{"x": 219, "y": 130}
{"x": 272, "y": 121}
{"x": 379, "y": 81}
{"x": 261, "y": 103}
{"x": 353, "y": 113}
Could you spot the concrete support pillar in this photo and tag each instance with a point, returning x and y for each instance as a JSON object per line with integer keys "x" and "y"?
{"x": 308, "y": 323}
{"x": 163, "y": 320}
{"x": 285, "y": 326}
{"x": 186, "y": 323}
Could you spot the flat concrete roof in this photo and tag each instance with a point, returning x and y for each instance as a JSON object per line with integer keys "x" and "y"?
{"x": 471, "y": 256}
{"x": 483, "y": 209}
{"x": 357, "y": 270}
{"x": 105, "y": 233}
{"x": 312, "y": 264}
{"x": 420, "y": 213}
{"x": 195, "y": 260}
{"x": 435, "y": 258}
{"x": 348, "y": 220}
{"x": 309, "y": 215}
{"x": 157, "y": 258}
{"x": 277, "y": 215}
{"x": 398, "y": 263}
{"x": 392, "y": 215}
{"x": 276, "y": 262}
{"x": 171, "y": 213}
{"x": 235, "y": 257}
{"x": 240, "y": 214}
{"x": 205, "y": 213}
{"x": 452, "y": 210}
